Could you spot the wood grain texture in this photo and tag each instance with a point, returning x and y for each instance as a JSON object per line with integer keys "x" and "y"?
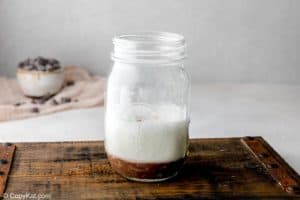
{"x": 7, "y": 151}
{"x": 215, "y": 169}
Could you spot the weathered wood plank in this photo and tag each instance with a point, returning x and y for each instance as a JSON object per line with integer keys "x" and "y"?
{"x": 215, "y": 169}
{"x": 6, "y": 156}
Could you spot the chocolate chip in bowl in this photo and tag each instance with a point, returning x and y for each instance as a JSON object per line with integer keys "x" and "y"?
{"x": 40, "y": 77}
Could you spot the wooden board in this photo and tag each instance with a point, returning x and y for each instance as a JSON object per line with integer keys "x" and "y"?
{"x": 215, "y": 169}
{"x": 7, "y": 151}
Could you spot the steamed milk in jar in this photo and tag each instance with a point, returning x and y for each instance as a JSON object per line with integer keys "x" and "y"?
{"x": 147, "y": 121}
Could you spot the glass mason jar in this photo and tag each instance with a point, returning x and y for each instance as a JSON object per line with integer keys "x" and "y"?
{"x": 147, "y": 106}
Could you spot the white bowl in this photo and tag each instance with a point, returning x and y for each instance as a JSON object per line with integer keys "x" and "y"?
{"x": 40, "y": 83}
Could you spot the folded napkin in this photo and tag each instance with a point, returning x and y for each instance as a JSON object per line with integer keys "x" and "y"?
{"x": 81, "y": 90}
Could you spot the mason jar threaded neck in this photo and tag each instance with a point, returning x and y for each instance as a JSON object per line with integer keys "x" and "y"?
{"x": 149, "y": 48}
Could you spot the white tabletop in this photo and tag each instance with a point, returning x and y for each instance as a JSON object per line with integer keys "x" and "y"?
{"x": 217, "y": 110}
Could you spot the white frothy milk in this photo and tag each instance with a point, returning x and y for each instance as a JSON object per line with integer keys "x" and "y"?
{"x": 140, "y": 133}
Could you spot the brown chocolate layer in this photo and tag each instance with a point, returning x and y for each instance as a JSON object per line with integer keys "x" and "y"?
{"x": 135, "y": 170}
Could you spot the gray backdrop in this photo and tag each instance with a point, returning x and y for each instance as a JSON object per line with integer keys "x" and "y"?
{"x": 232, "y": 40}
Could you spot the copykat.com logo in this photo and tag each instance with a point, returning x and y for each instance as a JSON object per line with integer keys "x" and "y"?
{"x": 26, "y": 195}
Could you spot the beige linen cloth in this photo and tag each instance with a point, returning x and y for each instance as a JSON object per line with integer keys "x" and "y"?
{"x": 87, "y": 91}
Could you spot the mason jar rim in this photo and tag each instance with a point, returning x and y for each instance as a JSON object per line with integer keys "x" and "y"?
{"x": 149, "y": 47}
